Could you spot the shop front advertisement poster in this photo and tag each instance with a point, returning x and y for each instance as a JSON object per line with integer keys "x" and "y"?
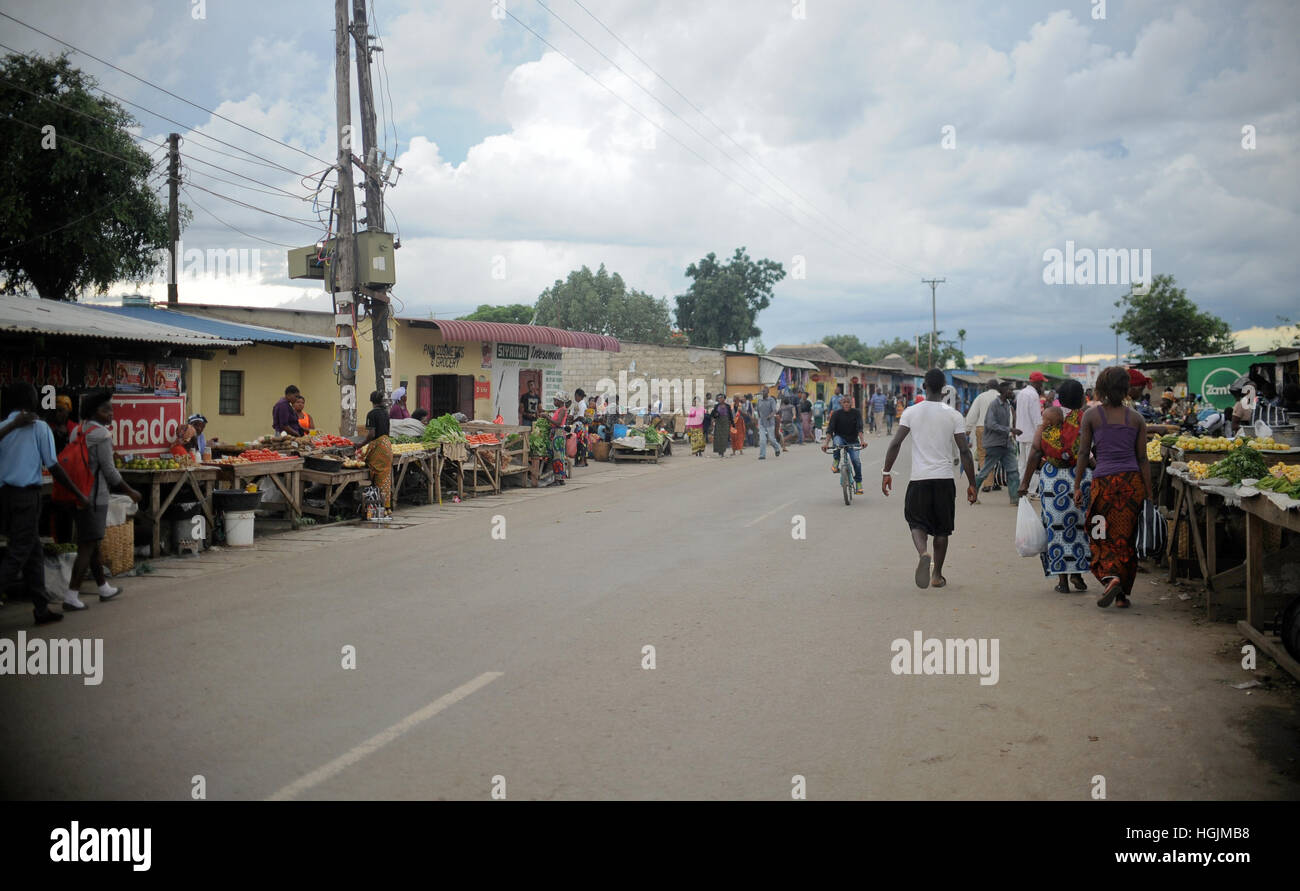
{"x": 482, "y": 389}
{"x": 146, "y": 425}
{"x": 167, "y": 380}
{"x": 129, "y": 377}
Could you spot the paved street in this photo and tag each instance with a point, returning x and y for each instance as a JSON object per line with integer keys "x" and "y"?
{"x": 480, "y": 658}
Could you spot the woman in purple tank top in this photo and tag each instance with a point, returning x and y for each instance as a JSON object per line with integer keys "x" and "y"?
{"x": 1117, "y": 437}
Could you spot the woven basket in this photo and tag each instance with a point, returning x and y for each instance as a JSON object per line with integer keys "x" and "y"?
{"x": 118, "y": 548}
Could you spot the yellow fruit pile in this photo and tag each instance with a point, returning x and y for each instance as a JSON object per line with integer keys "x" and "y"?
{"x": 1267, "y": 444}
{"x": 1153, "y": 450}
{"x": 1288, "y": 472}
{"x": 1204, "y": 443}
{"x": 1198, "y": 471}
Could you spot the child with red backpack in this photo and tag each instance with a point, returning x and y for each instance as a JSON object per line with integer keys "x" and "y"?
{"x": 88, "y": 461}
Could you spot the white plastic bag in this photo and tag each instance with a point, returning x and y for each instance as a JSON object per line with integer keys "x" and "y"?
{"x": 58, "y": 576}
{"x": 1031, "y": 537}
{"x": 119, "y": 508}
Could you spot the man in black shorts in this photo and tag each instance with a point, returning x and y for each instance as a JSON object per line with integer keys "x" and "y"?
{"x": 930, "y": 506}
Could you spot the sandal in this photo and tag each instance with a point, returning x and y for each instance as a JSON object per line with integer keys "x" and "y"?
{"x": 1112, "y": 591}
{"x": 1062, "y": 587}
{"x": 922, "y": 577}
{"x": 1078, "y": 582}
{"x": 1122, "y": 602}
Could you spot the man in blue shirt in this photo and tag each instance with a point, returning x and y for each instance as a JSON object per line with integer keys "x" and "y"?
{"x": 27, "y": 446}
{"x": 877, "y": 408}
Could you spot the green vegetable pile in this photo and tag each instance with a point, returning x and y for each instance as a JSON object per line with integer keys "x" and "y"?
{"x": 651, "y": 434}
{"x": 403, "y": 440}
{"x": 539, "y": 440}
{"x": 1279, "y": 485}
{"x": 1243, "y": 463}
{"x": 444, "y": 429}
{"x": 1169, "y": 439}
{"x": 53, "y": 550}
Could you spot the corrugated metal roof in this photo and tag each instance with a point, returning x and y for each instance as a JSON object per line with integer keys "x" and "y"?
{"x": 790, "y": 362}
{"x": 213, "y": 326}
{"x": 458, "y": 329}
{"x": 813, "y": 352}
{"x": 27, "y": 315}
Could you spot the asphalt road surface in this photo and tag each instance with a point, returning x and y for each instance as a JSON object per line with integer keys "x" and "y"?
{"x": 515, "y": 665}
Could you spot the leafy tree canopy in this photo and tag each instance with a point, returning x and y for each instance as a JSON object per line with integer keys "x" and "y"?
{"x": 599, "y": 302}
{"x": 1164, "y": 324}
{"x": 515, "y": 313}
{"x": 721, "y": 305}
{"x": 78, "y": 211}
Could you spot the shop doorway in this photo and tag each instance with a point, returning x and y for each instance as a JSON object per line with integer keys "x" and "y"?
{"x": 445, "y": 394}
{"x": 526, "y": 376}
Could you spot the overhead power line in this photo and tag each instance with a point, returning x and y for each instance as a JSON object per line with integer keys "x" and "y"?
{"x": 77, "y": 49}
{"x": 233, "y": 228}
{"x": 307, "y": 224}
{"x": 829, "y": 239}
{"x": 796, "y": 195}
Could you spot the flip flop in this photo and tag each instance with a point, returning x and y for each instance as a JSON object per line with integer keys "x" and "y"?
{"x": 1108, "y": 596}
{"x": 938, "y": 581}
{"x": 922, "y": 577}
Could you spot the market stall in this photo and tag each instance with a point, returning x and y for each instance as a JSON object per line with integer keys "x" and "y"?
{"x": 420, "y": 457}
{"x": 282, "y": 471}
{"x": 1241, "y": 497}
{"x": 1264, "y": 518}
{"x": 640, "y": 444}
{"x": 162, "y": 487}
{"x": 335, "y": 475}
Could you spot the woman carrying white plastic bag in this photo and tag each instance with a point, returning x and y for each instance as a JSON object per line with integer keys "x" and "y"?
{"x": 1031, "y": 537}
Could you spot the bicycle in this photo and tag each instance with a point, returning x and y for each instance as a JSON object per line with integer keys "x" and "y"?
{"x": 847, "y": 483}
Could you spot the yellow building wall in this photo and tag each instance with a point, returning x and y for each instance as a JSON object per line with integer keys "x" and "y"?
{"x": 267, "y": 371}
{"x": 409, "y": 361}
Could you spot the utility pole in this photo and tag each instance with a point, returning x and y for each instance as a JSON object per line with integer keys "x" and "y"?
{"x": 377, "y": 297}
{"x": 934, "y": 316}
{"x": 343, "y": 267}
{"x": 173, "y": 213}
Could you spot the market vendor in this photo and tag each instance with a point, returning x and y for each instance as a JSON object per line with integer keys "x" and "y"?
{"x": 62, "y": 425}
{"x": 377, "y": 448}
{"x": 299, "y": 403}
{"x": 412, "y": 426}
{"x": 399, "y": 409}
{"x": 283, "y": 417}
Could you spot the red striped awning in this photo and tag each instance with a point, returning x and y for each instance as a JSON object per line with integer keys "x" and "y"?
{"x": 457, "y": 329}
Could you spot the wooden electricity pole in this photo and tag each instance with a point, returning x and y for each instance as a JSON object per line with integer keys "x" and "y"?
{"x": 343, "y": 265}
{"x": 378, "y": 297}
{"x": 934, "y": 316}
{"x": 173, "y": 213}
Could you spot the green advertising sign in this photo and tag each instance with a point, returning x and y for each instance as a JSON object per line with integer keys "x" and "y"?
{"x": 1212, "y": 377}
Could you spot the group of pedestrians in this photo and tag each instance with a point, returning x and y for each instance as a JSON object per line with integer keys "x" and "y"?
{"x": 1082, "y": 457}
{"x": 27, "y": 447}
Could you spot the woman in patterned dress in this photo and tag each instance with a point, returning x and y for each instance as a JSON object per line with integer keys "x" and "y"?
{"x": 1053, "y": 454}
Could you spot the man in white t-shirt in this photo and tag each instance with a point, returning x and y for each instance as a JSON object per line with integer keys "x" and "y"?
{"x": 1029, "y": 414}
{"x": 930, "y": 505}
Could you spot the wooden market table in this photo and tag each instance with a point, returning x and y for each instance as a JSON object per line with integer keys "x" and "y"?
{"x": 627, "y": 453}
{"x": 285, "y": 474}
{"x": 1261, "y": 513}
{"x": 1202, "y": 509}
{"x": 199, "y": 480}
{"x": 426, "y": 460}
{"x": 334, "y": 483}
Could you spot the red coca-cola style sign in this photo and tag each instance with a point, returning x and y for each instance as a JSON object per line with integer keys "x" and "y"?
{"x": 146, "y": 425}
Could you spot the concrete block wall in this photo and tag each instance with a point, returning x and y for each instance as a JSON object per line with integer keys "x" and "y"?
{"x": 585, "y": 368}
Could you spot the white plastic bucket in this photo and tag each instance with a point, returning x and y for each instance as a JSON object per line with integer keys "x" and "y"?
{"x": 239, "y": 528}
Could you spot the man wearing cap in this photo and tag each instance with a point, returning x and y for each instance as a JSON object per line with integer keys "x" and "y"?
{"x": 1029, "y": 414}
{"x": 399, "y": 409}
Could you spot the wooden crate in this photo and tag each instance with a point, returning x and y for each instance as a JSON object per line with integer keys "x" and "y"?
{"x": 118, "y": 547}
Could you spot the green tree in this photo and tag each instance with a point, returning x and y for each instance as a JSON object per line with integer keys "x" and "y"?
{"x": 1164, "y": 324}
{"x": 904, "y": 348}
{"x": 514, "y": 313}
{"x": 599, "y": 302}
{"x": 77, "y": 210}
{"x": 724, "y": 299}
{"x": 848, "y": 346}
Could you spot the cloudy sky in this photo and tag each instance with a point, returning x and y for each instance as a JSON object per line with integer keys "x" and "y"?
{"x": 867, "y": 145}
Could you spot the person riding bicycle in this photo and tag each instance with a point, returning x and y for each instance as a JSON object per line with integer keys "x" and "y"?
{"x": 844, "y": 428}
